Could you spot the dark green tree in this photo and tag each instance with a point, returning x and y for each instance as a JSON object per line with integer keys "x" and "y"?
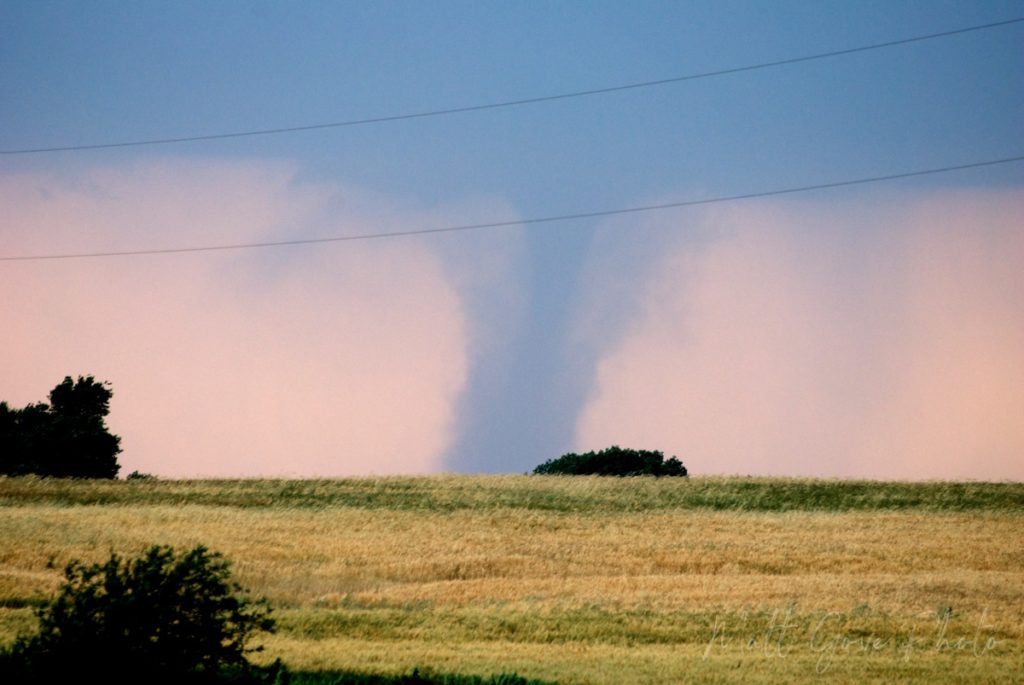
{"x": 22, "y": 434}
{"x": 614, "y": 461}
{"x": 67, "y": 438}
{"x": 162, "y": 617}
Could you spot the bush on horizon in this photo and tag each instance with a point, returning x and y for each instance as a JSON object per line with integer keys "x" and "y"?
{"x": 613, "y": 461}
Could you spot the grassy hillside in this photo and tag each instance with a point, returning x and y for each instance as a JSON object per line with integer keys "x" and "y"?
{"x": 639, "y": 580}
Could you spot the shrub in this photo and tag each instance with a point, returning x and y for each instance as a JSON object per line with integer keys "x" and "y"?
{"x": 614, "y": 461}
{"x": 138, "y": 475}
{"x": 161, "y": 617}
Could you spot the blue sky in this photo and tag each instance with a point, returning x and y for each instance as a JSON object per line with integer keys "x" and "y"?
{"x": 541, "y": 312}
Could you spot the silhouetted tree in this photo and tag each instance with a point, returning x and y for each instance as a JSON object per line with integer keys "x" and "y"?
{"x": 163, "y": 617}
{"x": 67, "y": 438}
{"x": 614, "y": 461}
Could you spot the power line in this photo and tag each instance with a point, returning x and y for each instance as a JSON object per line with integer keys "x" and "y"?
{"x": 514, "y": 222}
{"x": 515, "y": 103}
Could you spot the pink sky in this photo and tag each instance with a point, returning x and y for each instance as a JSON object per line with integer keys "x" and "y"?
{"x": 304, "y": 362}
{"x": 828, "y": 339}
{"x": 877, "y": 336}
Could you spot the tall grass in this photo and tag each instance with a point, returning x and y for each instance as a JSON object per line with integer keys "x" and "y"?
{"x": 542, "y": 493}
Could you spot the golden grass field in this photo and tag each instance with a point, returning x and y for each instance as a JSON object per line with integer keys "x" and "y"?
{"x": 575, "y": 579}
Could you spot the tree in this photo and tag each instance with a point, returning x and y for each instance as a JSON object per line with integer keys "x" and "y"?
{"x": 67, "y": 438}
{"x": 162, "y": 617}
{"x": 614, "y": 461}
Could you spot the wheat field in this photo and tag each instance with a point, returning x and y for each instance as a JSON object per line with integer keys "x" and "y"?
{"x": 575, "y": 579}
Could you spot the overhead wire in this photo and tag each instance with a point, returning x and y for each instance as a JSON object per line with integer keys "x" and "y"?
{"x": 515, "y": 102}
{"x": 513, "y": 222}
